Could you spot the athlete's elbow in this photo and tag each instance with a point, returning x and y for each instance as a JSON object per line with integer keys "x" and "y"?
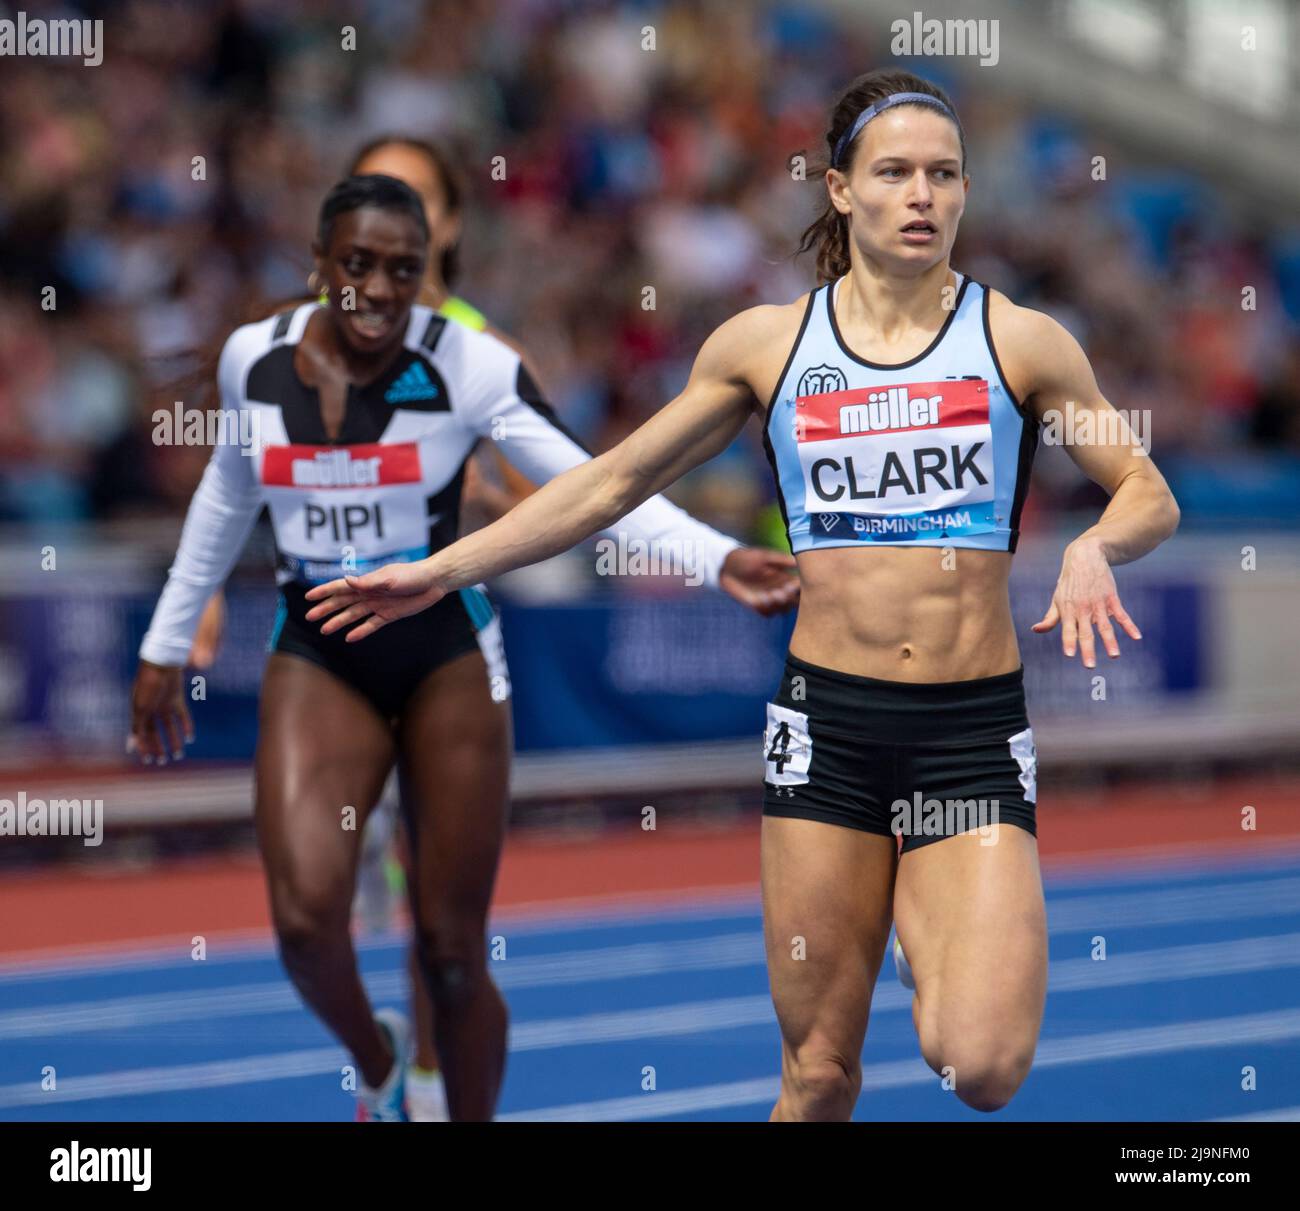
{"x": 616, "y": 493}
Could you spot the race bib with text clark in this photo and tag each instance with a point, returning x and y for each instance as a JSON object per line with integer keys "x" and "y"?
{"x": 901, "y": 461}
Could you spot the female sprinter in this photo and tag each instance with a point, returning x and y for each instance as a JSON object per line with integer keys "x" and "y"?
{"x": 900, "y": 402}
{"x": 432, "y": 174}
{"x": 365, "y": 409}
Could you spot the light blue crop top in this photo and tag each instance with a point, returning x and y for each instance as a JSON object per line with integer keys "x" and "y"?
{"x": 935, "y": 451}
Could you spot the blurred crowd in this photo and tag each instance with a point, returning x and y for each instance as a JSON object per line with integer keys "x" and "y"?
{"x": 607, "y": 148}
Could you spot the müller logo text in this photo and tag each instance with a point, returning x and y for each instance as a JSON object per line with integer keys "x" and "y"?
{"x": 336, "y": 469}
{"x": 890, "y": 409}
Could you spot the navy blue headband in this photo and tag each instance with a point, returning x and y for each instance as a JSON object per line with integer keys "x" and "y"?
{"x": 879, "y": 107}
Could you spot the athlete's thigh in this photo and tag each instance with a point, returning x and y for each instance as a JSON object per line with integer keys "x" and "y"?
{"x": 455, "y": 751}
{"x": 323, "y": 752}
{"x": 971, "y": 919}
{"x": 827, "y": 893}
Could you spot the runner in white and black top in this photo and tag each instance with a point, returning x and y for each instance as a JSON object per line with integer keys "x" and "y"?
{"x": 384, "y": 486}
{"x": 358, "y": 416}
{"x": 489, "y": 488}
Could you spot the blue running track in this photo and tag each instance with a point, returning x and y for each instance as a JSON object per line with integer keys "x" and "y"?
{"x": 1201, "y": 984}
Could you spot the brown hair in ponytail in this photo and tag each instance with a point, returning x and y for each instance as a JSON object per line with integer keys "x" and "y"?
{"x": 829, "y": 231}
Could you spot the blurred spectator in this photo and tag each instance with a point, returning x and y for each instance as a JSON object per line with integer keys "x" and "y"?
{"x": 645, "y": 195}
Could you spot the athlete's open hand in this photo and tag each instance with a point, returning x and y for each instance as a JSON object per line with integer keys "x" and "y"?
{"x": 160, "y": 720}
{"x": 1086, "y": 594}
{"x": 374, "y": 600}
{"x": 760, "y": 579}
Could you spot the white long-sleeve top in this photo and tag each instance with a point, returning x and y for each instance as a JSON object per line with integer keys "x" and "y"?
{"x": 388, "y": 489}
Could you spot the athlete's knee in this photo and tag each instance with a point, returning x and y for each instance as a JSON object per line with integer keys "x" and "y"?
{"x": 452, "y": 957}
{"x": 308, "y": 918}
{"x": 452, "y": 979}
{"x": 987, "y": 1081}
{"x": 823, "y": 1081}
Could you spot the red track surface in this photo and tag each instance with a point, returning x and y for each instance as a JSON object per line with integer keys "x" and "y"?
{"x": 171, "y": 903}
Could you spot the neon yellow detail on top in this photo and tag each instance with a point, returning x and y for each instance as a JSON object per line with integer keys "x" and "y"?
{"x": 460, "y": 311}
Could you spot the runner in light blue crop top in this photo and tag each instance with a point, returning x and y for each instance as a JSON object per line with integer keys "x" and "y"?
{"x": 934, "y": 451}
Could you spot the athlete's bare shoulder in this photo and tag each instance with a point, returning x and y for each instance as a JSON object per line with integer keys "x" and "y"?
{"x": 1019, "y": 325}
{"x": 1035, "y": 351}
{"x": 752, "y": 347}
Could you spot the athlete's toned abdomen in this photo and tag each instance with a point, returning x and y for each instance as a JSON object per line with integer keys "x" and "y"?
{"x": 906, "y": 613}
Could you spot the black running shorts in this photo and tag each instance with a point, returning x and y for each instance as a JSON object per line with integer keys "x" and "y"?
{"x": 387, "y": 666}
{"x": 919, "y": 762}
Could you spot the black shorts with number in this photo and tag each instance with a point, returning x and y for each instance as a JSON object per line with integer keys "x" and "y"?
{"x": 920, "y": 762}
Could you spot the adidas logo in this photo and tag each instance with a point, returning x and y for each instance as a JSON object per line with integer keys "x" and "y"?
{"x": 414, "y": 383}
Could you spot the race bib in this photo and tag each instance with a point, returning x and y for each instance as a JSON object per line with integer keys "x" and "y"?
{"x": 898, "y": 461}
{"x": 787, "y": 746}
{"x": 345, "y": 509}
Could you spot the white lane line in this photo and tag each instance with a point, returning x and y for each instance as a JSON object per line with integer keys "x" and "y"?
{"x": 662, "y": 1021}
{"x": 1232, "y": 901}
{"x": 77, "y": 962}
{"x": 723, "y": 951}
{"x": 1274, "y": 952}
{"x": 1069, "y": 975}
{"x": 1088, "y": 1048}
{"x": 524, "y": 971}
{"x": 211, "y": 1075}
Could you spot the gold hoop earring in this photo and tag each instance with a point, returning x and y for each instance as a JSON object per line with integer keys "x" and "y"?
{"x": 321, "y": 292}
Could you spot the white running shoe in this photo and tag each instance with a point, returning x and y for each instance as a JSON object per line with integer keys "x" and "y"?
{"x": 902, "y": 966}
{"x": 426, "y": 1096}
{"x": 387, "y": 1104}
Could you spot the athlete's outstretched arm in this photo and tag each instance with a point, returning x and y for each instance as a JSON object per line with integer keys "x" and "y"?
{"x": 501, "y": 402}
{"x": 1142, "y": 512}
{"x": 221, "y": 513}
{"x": 698, "y": 424}
{"x": 513, "y": 414}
